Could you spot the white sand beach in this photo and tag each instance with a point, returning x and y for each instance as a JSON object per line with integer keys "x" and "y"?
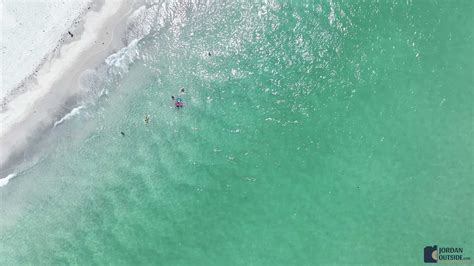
{"x": 30, "y": 31}
{"x": 33, "y": 97}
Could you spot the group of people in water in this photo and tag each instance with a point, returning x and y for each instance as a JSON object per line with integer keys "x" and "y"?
{"x": 178, "y": 102}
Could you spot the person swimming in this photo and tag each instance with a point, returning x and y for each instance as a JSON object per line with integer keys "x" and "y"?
{"x": 179, "y": 102}
{"x": 147, "y": 119}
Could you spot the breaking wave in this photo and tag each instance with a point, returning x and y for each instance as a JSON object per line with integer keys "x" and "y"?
{"x": 69, "y": 115}
{"x": 4, "y": 181}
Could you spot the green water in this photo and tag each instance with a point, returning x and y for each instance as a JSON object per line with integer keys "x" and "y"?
{"x": 316, "y": 133}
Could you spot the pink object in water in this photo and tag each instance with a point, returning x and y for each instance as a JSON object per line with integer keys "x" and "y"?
{"x": 179, "y": 104}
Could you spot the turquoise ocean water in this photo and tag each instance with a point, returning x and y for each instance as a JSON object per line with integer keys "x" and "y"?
{"x": 315, "y": 132}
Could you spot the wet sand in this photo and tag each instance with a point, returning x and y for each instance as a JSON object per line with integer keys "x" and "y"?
{"x": 56, "y": 86}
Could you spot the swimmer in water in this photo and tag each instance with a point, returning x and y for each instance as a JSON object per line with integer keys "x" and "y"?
{"x": 179, "y": 103}
{"x": 147, "y": 119}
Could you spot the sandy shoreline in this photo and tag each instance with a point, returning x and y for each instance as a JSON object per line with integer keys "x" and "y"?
{"x": 57, "y": 82}
{"x": 31, "y": 32}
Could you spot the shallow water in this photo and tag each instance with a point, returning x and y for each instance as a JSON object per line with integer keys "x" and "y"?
{"x": 314, "y": 133}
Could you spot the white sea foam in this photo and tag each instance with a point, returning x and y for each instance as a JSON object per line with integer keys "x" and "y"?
{"x": 69, "y": 115}
{"x": 120, "y": 61}
{"x": 4, "y": 181}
